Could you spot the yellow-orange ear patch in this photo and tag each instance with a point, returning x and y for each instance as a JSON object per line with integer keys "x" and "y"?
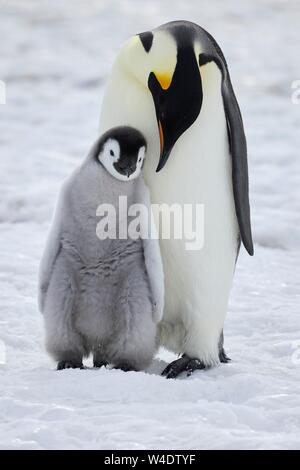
{"x": 164, "y": 79}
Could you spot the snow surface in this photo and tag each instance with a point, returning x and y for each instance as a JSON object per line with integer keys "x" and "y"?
{"x": 55, "y": 57}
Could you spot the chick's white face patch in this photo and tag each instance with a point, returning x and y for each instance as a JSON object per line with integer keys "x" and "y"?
{"x": 111, "y": 155}
{"x": 140, "y": 160}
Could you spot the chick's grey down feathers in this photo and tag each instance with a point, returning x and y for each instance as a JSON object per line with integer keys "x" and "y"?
{"x": 99, "y": 296}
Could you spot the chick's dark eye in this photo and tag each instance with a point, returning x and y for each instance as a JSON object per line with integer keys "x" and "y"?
{"x": 112, "y": 153}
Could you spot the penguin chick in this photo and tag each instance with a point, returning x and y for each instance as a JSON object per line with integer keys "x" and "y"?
{"x": 102, "y": 296}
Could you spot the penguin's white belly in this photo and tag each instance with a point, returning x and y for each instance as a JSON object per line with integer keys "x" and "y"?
{"x": 197, "y": 283}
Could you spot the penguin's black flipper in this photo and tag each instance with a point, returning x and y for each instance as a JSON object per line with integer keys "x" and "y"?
{"x": 238, "y": 150}
{"x": 237, "y": 142}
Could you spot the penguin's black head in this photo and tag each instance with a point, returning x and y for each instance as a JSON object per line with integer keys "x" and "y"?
{"x": 178, "y": 99}
{"x": 121, "y": 151}
{"x": 165, "y": 62}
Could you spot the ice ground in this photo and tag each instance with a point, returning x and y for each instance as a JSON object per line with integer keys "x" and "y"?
{"x": 55, "y": 57}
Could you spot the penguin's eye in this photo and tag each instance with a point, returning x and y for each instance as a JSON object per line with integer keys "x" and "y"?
{"x": 112, "y": 153}
{"x": 141, "y": 154}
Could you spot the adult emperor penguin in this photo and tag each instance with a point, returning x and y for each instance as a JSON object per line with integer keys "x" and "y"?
{"x": 173, "y": 84}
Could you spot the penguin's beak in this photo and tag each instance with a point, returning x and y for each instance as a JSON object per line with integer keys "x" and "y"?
{"x": 177, "y": 100}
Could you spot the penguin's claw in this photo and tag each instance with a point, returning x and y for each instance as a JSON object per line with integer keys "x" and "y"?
{"x": 99, "y": 364}
{"x": 223, "y": 357}
{"x": 175, "y": 367}
{"x": 183, "y": 364}
{"x": 125, "y": 368}
{"x": 69, "y": 365}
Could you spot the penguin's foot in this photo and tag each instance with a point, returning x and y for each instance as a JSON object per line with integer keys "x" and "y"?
{"x": 71, "y": 364}
{"x": 223, "y": 357}
{"x": 125, "y": 368}
{"x": 99, "y": 364}
{"x": 183, "y": 364}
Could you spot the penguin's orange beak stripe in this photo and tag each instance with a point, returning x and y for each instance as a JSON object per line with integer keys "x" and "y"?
{"x": 161, "y": 137}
